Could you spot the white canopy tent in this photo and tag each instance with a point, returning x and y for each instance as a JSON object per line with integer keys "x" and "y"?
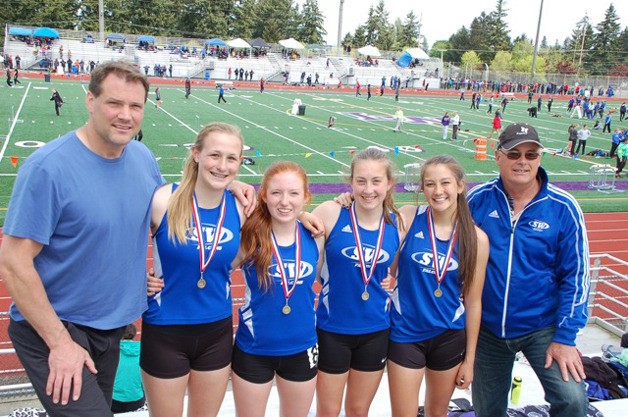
{"x": 417, "y": 53}
{"x": 291, "y": 43}
{"x": 238, "y": 43}
{"x": 370, "y": 50}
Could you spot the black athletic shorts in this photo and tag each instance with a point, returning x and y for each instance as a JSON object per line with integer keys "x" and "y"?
{"x": 341, "y": 352}
{"x": 172, "y": 351}
{"x": 260, "y": 369}
{"x": 440, "y": 353}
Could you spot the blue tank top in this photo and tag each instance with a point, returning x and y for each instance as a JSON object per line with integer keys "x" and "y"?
{"x": 264, "y": 329}
{"x": 182, "y": 301}
{"x": 417, "y": 314}
{"x": 341, "y": 308}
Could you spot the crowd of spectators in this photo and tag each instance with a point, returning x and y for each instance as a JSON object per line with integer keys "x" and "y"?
{"x": 512, "y": 87}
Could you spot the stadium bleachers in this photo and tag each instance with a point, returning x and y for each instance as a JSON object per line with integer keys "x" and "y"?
{"x": 272, "y": 66}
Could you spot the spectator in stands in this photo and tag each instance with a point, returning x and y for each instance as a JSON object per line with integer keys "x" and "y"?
{"x": 56, "y": 97}
{"x": 539, "y": 302}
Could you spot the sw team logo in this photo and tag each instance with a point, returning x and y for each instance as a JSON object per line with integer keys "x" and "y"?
{"x": 538, "y": 225}
{"x": 289, "y": 267}
{"x": 209, "y": 233}
{"x": 368, "y": 253}
{"x": 426, "y": 260}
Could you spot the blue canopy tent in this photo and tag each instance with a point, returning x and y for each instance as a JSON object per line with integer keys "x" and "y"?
{"x": 215, "y": 42}
{"x": 146, "y": 38}
{"x": 20, "y": 32}
{"x": 411, "y": 54}
{"x": 116, "y": 37}
{"x": 46, "y": 33}
{"x": 404, "y": 60}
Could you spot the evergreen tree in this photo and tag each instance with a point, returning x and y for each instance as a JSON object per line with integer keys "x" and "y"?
{"x": 605, "y": 43}
{"x": 242, "y": 19}
{"x": 460, "y": 42}
{"x": 409, "y": 33}
{"x": 498, "y": 38}
{"x": 312, "y": 23}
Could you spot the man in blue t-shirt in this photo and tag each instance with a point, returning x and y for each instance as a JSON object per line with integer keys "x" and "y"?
{"x": 75, "y": 244}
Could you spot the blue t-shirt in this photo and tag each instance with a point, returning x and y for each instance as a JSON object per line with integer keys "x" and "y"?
{"x": 182, "y": 301}
{"x": 92, "y": 216}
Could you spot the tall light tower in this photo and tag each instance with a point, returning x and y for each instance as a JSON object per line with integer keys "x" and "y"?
{"x": 101, "y": 20}
{"x": 536, "y": 44}
{"x": 342, "y": 3}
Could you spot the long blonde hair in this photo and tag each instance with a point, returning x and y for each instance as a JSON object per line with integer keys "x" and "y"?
{"x": 255, "y": 240}
{"x": 180, "y": 203}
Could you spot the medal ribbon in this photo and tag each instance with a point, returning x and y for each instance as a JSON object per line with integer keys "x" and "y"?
{"x": 199, "y": 232}
{"x": 282, "y": 272}
{"x": 358, "y": 242}
{"x": 440, "y": 275}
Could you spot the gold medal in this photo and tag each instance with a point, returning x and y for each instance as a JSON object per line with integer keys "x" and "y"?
{"x": 438, "y": 292}
{"x": 365, "y": 295}
{"x": 286, "y": 309}
{"x": 201, "y": 283}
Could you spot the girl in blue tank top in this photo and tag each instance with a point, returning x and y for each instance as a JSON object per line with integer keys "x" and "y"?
{"x": 352, "y": 317}
{"x": 196, "y": 234}
{"x": 437, "y": 298}
{"x": 276, "y": 336}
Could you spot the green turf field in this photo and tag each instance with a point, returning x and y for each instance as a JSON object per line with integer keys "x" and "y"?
{"x": 274, "y": 134}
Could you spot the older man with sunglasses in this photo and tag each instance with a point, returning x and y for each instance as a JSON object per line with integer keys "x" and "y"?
{"x": 537, "y": 280}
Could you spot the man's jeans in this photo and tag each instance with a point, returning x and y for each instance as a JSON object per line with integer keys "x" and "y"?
{"x": 493, "y": 372}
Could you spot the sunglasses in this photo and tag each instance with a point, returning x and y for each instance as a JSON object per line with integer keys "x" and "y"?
{"x": 515, "y": 155}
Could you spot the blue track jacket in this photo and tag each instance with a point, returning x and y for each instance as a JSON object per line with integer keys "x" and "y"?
{"x": 538, "y": 274}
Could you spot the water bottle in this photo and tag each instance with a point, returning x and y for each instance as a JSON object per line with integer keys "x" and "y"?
{"x": 515, "y": 390}
{"x": 609, "y": 352}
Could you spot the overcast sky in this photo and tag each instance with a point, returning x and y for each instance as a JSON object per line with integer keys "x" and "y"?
{"x": 440, "y": 20}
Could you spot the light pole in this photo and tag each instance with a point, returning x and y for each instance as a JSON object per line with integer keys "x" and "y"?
{"x": 536, "y": 43}
{"x": 342, "y": 2}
